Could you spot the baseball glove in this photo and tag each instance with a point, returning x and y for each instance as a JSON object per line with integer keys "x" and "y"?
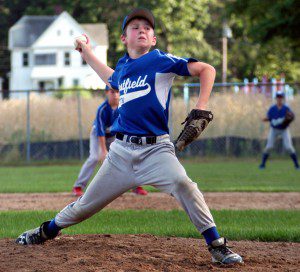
{"x": 195, "y": 123}
{"x": 289, "y": 117}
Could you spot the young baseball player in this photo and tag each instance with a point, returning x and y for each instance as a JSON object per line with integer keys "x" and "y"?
{"x": 280, "y": 116}
{"x": 142, "y": 153}
{"x": 100, "y": 139}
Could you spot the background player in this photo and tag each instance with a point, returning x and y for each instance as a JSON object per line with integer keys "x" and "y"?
{"x": 279, "y": 116}
{"x": 100, "y": 139}
{"x": 142, "y": 153}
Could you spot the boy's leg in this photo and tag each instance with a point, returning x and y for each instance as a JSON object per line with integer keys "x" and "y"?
{"x": 113, "y": 179}
{"x": 269, "y": 146}
{"x": 288, "y": 145}
{"x": 158, "y": 166}
{"x": 89, "y": 166}
{"x": 161, "y": 169}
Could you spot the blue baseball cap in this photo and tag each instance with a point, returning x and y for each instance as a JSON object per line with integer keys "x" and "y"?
{"x": 139, "y": 13}
{"x": 107, "y": 88}
{"x": 280, "y": 94}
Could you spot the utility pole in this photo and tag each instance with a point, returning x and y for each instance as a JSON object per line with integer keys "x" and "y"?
{"x": 226, "y": 34}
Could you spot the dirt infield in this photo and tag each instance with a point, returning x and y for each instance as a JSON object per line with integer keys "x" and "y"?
{"x": 141, "y": 253}
{"x": 120, "y": 253}
{"x": 157, "y": 201}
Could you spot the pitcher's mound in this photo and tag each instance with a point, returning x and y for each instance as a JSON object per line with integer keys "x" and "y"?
{"x": 141, "y": 253}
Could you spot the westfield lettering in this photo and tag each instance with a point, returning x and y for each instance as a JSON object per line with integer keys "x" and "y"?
{"x": 128, "y": 84}
{"x": 144, "y": 89}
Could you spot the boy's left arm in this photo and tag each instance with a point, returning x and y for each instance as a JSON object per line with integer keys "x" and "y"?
{"x": 206, "y": 74}
{"x": 198, "y": 118}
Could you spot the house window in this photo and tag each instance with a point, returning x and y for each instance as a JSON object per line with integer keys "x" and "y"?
{"x": 45, "y": 59}
{"x": 42, "y": 86}
{"x": 25, "y": 59}
{"x": 67, "y": 58}
{"x": 75, "y": 82}
{"x": 83, "y": 62}
{"x": 60, "y": 82}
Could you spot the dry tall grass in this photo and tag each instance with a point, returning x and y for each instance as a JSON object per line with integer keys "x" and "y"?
{"x": 54, "y": 119}
{"x": 51, "y": 118}
{"x": 236, "y": 115}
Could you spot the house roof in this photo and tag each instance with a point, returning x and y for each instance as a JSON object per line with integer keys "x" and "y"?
{"x": 98, "y": 32}
{"x": 27, "y": 30}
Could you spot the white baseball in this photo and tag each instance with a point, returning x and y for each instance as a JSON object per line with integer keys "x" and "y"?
{"x": 79, "y": 38}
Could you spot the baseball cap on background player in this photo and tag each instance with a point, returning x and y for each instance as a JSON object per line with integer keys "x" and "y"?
{"x": 107, "y": 88}
{"x": 139, "y": 13}
{"x": 280, "y": 94}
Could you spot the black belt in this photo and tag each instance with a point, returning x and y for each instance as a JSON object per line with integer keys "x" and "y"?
{"x": 136, "y": 139}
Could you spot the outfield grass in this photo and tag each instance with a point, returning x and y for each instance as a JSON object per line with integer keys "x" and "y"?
{"x": 235, "y": 225}
{"x": 211, "y": 176}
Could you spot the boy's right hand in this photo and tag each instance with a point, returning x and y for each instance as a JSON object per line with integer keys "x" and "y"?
{"x": 83, "y": 45}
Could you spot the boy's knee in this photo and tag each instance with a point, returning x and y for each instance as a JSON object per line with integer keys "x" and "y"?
{"x": 94, "y": 159}
{"x": 268, "y": 149}
{"x": 290, "y": 150}
{"x": 185, "y": 185}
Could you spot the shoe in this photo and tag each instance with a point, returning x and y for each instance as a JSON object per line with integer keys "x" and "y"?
{"x": 139, "y": 191}
{"x": 262, "y": 166}
{"x": 34, "y": 236}
{"x": 222, "y": 254}
{"x": 77, "y": 191}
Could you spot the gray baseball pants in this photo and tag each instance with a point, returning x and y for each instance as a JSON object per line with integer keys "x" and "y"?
{"x": 127, "y": 166}
{"x": 90, "y": 164}
{"x": 286, "y": 139}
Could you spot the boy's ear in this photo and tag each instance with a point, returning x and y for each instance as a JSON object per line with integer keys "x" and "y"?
{"x": 154, "y": 41}
{"x": 123, "y": 39}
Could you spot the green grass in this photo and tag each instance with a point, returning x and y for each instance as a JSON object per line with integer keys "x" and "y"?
{"x": 211, "y": 176}
{"x": 235, "y": 225}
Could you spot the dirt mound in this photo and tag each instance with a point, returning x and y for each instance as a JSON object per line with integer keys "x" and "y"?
{"x": 141, "y": 253}
{"x": 156, "y": 201}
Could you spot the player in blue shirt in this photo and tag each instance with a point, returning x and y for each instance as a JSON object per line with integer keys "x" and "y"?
{"x": 101, "y": 137}
{"x": 142, "y": 153}
{"x": 278, "y": 128}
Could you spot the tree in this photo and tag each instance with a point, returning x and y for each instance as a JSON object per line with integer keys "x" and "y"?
{"x": 266, "y": 38}
{"x": 181, "y": 24}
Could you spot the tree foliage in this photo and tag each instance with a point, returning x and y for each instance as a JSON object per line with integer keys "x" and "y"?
{"x": 266, "y": 38}
{"x": 265, "y": 33}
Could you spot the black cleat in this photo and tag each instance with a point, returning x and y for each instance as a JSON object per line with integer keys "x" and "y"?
{"x": 33, "y": 236}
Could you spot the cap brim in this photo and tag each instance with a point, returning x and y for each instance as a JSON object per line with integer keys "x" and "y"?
{"x": 141, "y": 13}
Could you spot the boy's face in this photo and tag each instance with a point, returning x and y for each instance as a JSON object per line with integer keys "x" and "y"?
{"x": 113, "y": 96}
{"x": 139, "y": 35}
{"x": 279, "y": 100}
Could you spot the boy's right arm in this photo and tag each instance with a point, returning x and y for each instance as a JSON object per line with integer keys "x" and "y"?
{"x": 88, "y": 55}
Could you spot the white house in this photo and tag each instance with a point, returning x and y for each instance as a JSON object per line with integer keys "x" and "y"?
{"x": 43, "y": 55}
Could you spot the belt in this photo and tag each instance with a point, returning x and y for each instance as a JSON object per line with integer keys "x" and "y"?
{"x": 136, "y": 139}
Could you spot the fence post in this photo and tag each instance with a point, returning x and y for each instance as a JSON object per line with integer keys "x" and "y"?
{"x": 227, "y": 145}
{"x": 186, "y": 98}
{"x": 28, "y": 128}
{"x": 79, "y": 125}
{"x": 171, "y": 127}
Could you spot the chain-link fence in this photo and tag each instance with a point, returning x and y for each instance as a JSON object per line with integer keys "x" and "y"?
{"x": 55, "y": 125}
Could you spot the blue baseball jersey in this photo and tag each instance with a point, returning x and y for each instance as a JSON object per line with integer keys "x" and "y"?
{"x": 144, "y": 85}
{"x": 276, "y": 116}
{"x": 104, "y": 119}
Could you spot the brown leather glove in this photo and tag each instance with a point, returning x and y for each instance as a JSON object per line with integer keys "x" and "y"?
{"x": 195, "y": 123}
